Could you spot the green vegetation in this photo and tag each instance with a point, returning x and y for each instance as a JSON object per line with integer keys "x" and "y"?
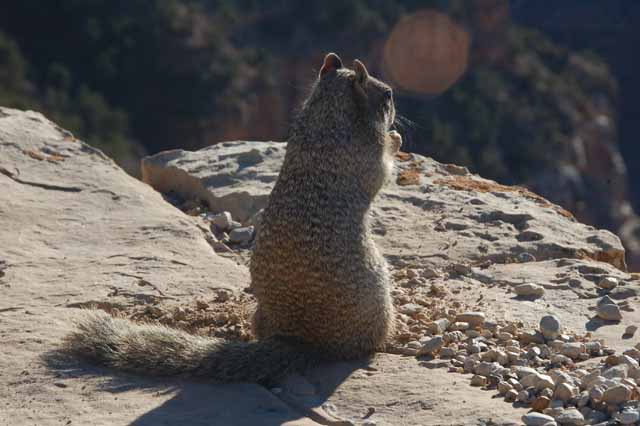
{"x": 135, "y": 75}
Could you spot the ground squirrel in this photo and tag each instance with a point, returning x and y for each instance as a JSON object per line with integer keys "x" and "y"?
{"x": 322, "y": 287}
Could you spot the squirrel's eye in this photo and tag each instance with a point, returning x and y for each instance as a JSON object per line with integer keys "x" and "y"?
{"x": 388, "y": 94}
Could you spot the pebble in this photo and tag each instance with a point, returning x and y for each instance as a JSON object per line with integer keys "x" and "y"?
{"x": 572, "y": 350}
{"x": 474, "y": 319}
{"x": 478, "y": 380}
{"x": 606, "y": 300}
{"x": 537, "y": 419}
{"x": 222, "y": 221}
{"x": 439, "y": 326}
{"x": 564, "y": 392}
{"x": 432, "y": 346}
{"x": 504, "y": 387}
{"x": 619, "y": 371}
{"x": 560, "y": 359}
{"x": 545, "y": 382}
{"x": 608, "y": 283}
{"x": 540, "y": 403}
{"x": 458, "y": 326}
{"x": 550, "y": 327}
{"x": 410, "y": 309}
{"x": 532, "y": 336}
{"x": 447, "y": 353}
{"x": 628, "y": 416}
{"x": 524, "y": 371}
{"x": 523, "y": 396}
{"x": 570, "y": 417}
{"x": 531, "y": 380}
{"x": 529, "y": 290}
{"x": 487, "y": 368}
{"x": 616, "y": 395}
{"x": 503, "y": 335}
{"x": 630, "y": 331}
{"x": 526, "y": 257}
{"x": 596, "y": 394}
{"x": 609, "y": 312}
{"x": 241, "y": 235}
{"x": 511, "y": 395}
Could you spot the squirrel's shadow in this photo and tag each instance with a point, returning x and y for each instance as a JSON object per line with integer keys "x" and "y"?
{"x": 197, "y": 402}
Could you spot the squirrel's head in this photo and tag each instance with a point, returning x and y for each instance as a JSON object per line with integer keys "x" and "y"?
{"x": 353, "y": 94}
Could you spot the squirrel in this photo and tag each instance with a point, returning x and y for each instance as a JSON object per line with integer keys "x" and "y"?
{"x": 321, "y": 285}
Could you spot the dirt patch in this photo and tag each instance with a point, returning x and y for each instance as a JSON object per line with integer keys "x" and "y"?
{"x": 466, "y": 183}
{"x": 410, "y": 175}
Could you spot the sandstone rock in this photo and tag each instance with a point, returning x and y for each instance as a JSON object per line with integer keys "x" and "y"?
{"x": 537, "y": 419}
{"x": 432, "y": 346}
{"x": 478, "y": 380}
{"x": 570, "y": 417}
{"x": 80, "y": 227}
{"x": 619, "y": 371}
{"x": 504, "y": 387}
{"x": 628, "y": 416}
{"x": 222, "y": 221}
{"x": 474, "y": 319}
{"x": 410, "y": 309}
{"x": 540, "y": 403}
{"x": 564, "y": 392}
{"x": 609, "y": 312}
{"x": 529, "y": 290}
{"x": 550, "y": 327}
{"x": 616, "y": 395}
{"x": 439, "y": 326}
{"x": 241, "y": 235}
{"x": 232, "y": 176}
{"x": 572, "y": 350}
{"x": 608, "y": 283}
{"x": 511, "y": 395}
{"x": 487, "y": 368}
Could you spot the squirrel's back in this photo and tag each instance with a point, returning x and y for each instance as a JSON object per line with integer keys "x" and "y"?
{"x": 315, "y": 270}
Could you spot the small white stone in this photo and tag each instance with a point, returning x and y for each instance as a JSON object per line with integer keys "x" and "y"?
{"x": 608, "y": 283}
{"x": 222, "y": 221}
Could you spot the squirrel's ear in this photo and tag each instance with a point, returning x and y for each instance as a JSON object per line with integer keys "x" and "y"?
{"x": 332, "y": 62}
{"x": 361, "y": 71}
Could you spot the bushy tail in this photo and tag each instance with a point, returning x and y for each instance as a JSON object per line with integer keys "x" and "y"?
{"x": 161, "y": 351}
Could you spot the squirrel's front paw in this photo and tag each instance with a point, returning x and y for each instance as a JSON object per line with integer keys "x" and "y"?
{"x": 396, "y": 141}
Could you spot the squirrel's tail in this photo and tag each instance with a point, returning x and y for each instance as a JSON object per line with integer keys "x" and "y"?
{"x": 161, "y": 351}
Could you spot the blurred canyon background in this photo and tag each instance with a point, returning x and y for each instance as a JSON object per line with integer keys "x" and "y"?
{"x": 538, "y": 93}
